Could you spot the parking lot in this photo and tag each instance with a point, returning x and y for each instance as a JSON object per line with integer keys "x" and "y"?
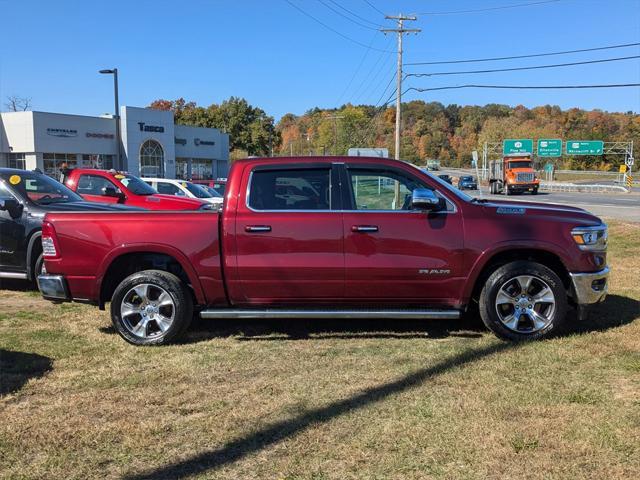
{"x": 322, "y": 399}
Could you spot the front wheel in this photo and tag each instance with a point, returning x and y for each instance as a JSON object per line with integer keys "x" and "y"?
{"x": 534, "y": 192}
{"x": 151, "y": 307}
{"x": 523, "y": 300}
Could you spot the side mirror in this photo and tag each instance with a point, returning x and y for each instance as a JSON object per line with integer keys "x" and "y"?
{"x": 12, "y": 206}
{"x": 425, "y": 199}
{"x": 113, "y": 192}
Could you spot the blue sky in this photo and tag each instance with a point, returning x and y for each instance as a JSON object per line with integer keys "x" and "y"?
{"x": 283, "y": 61}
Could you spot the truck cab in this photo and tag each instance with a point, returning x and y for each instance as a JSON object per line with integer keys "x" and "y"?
{"x": 115, "y": 187}
{"x": 514, "y": 174}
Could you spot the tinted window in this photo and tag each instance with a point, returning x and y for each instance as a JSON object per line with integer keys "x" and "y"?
{"x": 137, "y": 186}
{"x": 169, "y": 189}
{"x": 39, "y": 188}
{"x": 299, "y": 189}
{"x": 198, "y": 191}
{"x": 93, "y": 185}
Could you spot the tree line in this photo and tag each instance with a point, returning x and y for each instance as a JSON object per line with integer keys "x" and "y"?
{"x": 430, "y": 130}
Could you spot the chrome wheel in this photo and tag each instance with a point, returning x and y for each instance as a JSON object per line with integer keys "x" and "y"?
{"x": 147, "y": 310}
{"x": 525, "y": 304}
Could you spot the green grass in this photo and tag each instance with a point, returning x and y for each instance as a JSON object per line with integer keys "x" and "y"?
{"x": 322, "y": 399}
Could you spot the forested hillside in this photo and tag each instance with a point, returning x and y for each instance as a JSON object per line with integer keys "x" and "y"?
{"x": 430, "y": 130}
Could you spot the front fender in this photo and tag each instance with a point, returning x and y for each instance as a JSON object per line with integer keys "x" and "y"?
{"x": 502, "y": 247}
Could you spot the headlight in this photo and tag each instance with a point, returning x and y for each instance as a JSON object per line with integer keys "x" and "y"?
{"x": 591, "y": 238}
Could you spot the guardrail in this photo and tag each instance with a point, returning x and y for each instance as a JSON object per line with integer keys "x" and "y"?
{"x": 573, "y": 187}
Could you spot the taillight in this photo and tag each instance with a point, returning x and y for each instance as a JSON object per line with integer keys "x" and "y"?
{"x": 49, "y": 241}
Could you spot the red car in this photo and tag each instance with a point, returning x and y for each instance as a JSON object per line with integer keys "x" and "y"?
{"x": 110, "y": 186}
{"x": 339, "y": 237}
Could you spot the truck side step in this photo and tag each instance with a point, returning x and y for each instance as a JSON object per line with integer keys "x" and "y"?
{"x": 245, "y": 313}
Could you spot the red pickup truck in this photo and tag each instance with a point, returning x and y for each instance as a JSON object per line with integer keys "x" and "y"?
{"x": 339, "y": 237}
{"x": 111, "y": 186}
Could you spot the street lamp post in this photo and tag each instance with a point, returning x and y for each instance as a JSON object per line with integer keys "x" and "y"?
{"x": 114, "y": 72}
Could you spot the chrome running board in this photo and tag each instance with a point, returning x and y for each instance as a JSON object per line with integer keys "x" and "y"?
{"x": 13, "y": 275}
{"x": 245, "y": 313}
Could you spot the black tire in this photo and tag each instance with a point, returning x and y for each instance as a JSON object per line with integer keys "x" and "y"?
{"x": 541, "y": 275}
{"x": 181, "y": 308}
{"x": 534, "y": 192}
{"x": 38, "y": 267}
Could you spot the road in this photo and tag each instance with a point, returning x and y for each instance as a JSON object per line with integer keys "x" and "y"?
{"x": 620, "y": 206}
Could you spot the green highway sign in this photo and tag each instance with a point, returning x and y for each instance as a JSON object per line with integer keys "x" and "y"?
{"x": 548, "y": 167}
{"x": 517, "y": 146}
{"x": 549, "y": 147}
{"x": 584, "y": 147}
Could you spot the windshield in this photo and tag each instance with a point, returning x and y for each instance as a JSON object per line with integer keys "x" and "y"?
{"x": 446, "y": 185}
{"x": 521, "y": 164}
{"x": 197, "y": 190}
{"x": 137, "y": 186}
{"x": 39, "y": 189}
{"x": 466, "y": 179}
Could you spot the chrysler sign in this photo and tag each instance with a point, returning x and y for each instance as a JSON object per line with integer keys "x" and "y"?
{"x": 198, "y": 142}
{"x": 62, "y": 132}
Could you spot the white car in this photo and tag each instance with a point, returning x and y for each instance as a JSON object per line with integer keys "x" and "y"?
{"x": 183, "y": 188}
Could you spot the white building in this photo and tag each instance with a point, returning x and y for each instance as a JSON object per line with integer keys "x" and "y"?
{"x": 152, "y": 145}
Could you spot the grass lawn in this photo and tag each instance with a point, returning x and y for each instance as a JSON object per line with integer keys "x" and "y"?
{"x": 322, "y": 400}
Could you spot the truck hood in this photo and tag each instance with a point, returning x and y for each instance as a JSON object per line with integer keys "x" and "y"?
{"x": 172, "y": 202}
{"x": 507, "y": 208}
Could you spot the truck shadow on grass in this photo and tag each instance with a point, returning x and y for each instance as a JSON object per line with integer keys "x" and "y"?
{"x": 614, "y": 312}
{"x": 17, "y": 368}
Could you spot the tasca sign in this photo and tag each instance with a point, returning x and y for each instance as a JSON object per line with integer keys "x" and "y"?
{"x": 585, "y": 147}
{"x": 512, "y": 146}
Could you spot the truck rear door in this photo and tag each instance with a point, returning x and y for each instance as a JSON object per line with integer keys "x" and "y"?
{"x": 394, "y": 254}
{"x": 288, "y": 236}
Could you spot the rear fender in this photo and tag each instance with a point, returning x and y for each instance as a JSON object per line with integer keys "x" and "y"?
{"x": 151, "y": 248}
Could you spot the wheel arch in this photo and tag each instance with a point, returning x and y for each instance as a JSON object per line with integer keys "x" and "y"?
{"x": 34, "y": 246}
{"x": 134, "y": 258}
{"x": 490, "y": 262}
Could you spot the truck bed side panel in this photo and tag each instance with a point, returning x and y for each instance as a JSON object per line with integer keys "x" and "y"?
{"x": 90, "y": 242}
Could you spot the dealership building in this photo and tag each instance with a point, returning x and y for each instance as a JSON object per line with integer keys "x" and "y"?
{"x": 152, "y": 144}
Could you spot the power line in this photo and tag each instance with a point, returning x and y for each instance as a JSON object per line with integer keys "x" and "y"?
{"x": 566, "y": 52}
{"x": 364, "y": 57}
{"x": 478, "y": 10}
{"x": 525, "y": 87}
{"x": 355, "y": 14}
{"x": 537, "y": 67}
{"x": 374, "y": 7}
{"x": 345, "y": 16}
{"x": 334, "y": 30}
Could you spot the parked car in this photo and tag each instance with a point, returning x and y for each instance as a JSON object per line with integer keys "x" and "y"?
{"x": 467, "y": 182}
{"x": 25, "y": 196}
{"x": 182, "y": 188}
{"x": 113, "y": 187}
{"x": 446, "y": 178}
{"x": 361, "y": 237}
{"x": 219, "y": 185}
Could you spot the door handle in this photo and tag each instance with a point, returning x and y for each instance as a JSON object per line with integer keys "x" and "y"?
{"x": 257, "y": 228}
{"x": 364, "y": 228}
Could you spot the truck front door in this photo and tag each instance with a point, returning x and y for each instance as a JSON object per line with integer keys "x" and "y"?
{"x": 394, "y": 254}
{"x": 288, "y": 237}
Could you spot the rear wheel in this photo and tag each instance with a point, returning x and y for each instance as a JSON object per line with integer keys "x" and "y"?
{"x": 151, "y": 307}
{"x": 534, "y": 192}
{"x": 523, "y": 301}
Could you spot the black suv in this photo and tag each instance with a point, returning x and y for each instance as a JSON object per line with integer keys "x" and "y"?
{"x": 25, "y": 197}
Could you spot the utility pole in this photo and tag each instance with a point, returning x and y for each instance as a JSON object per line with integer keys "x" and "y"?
{"x": 335, "y": 128}
{"x": 400, "y": 30}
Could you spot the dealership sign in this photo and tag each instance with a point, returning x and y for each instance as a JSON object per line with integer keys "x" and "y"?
{"x": 62, "y": 132}
{"x": 110, "y": 136}
{"x": 198, "y": 142}
{"x": 512, "y": 146}
{"x": 150, "y": 128}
